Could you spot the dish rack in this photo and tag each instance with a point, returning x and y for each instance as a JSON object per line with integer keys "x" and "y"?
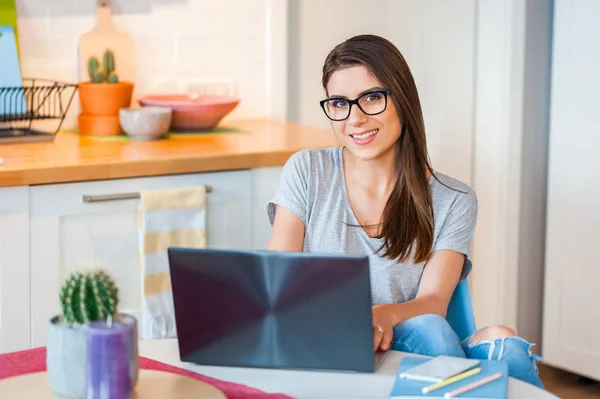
{"x": 34, "y": 111}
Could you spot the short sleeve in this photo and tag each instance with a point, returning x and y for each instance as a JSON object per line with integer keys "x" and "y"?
{"x": 459, "y": 227}
{"x": 292, "y": 190}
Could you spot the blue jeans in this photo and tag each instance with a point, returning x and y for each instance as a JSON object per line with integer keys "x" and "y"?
{"x": 431, "y": 335}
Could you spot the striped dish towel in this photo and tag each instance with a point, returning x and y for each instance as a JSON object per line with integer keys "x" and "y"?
{"x": 167, "y": 218}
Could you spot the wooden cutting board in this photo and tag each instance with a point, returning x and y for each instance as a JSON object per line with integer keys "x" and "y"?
{"x": 152, "y": 384}
{"x": 105, "y": 35}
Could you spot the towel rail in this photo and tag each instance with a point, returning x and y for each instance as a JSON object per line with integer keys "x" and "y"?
{"x": 117, "y": 197}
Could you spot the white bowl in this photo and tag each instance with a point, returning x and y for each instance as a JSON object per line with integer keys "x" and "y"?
{"x": 145, "y": 123}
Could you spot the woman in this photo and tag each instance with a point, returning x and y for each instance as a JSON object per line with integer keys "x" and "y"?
{"x": 378, "y": 194}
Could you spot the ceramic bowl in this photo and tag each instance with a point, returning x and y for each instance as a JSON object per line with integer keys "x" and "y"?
{"x": 193, "y": 113}
{"x": 145, "y": 123}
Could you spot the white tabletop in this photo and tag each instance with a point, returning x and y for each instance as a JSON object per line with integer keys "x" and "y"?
{"x": 312, "y": 384}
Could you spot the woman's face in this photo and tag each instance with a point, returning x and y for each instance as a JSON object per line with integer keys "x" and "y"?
{"x": 366, "y": 136}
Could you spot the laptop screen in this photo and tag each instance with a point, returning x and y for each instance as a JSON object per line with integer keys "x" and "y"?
{"x": 272, "y": 309}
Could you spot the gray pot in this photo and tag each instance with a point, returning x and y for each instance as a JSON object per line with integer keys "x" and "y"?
{"x": 66, "y": 356}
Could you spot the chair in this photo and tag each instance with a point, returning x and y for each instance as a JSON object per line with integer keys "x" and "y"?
{"x": 460, "y": 313}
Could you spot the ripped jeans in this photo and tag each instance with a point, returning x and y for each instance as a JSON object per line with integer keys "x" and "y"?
{"x": 431, "y": 335}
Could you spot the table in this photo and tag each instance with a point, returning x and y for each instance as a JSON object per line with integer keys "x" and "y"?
{"x": 152, "y": 384}
{"x": 313, "y": 384}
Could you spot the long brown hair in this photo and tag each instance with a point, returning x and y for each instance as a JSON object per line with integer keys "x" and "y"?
{"x": 408, "y": 213}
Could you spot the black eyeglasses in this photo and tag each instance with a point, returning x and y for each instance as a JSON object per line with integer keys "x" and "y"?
{"x": 371, "y": 103}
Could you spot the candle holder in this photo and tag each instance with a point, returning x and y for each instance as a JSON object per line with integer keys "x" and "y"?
{"x": 108, "y": 361}
{"x": 134, "y": 363}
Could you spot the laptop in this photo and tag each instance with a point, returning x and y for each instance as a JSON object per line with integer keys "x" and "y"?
{"x": 267, "y": 309}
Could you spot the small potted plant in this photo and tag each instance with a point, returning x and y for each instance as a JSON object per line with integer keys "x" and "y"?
{"x": 85, "y": 296}
{"x": 102, "y": 97}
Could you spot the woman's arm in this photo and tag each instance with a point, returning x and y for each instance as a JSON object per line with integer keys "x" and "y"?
{"x": 440, "y": 275}
{"x": 287, "y": 233}
{"x": 439, "y": 280}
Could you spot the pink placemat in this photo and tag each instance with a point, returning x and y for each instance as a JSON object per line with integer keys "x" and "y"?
{"x": 34, "y": 360}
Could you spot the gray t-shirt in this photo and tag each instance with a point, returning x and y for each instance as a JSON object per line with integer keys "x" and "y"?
{"x": 312, "y": 186}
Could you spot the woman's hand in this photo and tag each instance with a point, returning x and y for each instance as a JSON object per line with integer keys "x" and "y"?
{"x": 384, "y": 321}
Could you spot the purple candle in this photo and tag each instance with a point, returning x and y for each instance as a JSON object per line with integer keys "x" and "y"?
{"x": 108, "y": 356}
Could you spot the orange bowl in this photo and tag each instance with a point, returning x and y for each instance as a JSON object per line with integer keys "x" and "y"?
{"x": 193, "y": 113}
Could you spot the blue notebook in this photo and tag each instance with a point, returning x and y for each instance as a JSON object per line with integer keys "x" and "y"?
{"x": 411, "y": 389}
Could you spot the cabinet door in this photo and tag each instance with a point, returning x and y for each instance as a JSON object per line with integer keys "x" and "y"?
{"x": 571, "y": 295}
{"x": 14, "y": 269}
{"x": 265, "y": 182}
{"x": 67, "y": 232}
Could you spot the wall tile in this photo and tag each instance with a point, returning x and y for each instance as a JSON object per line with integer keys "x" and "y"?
{"x": 175, "y": 41}
{"x": 154, "y": 49}
{"x": 39, "y": 52}
{"x": 70, "y": 22}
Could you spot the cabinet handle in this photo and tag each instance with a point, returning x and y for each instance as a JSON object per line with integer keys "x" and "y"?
{"x": 117, "y": 197}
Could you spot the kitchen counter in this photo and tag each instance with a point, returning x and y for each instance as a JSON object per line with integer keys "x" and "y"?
{"x": 76, "y": 200}
{"x": 240, "y": 144}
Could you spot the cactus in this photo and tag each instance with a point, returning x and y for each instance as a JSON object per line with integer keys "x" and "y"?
{"x": 93, "y": 65}
{"x": 103, "y": 73}
{"x": 88, "y": 296}
{"x": 99, "y": 77}
{"x": 109, "y": 62}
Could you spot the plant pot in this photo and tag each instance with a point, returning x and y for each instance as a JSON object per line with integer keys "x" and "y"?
{"x": 90, "y": 125}
{"x": 66, "y": 356}
{"x": 104, "y": 99}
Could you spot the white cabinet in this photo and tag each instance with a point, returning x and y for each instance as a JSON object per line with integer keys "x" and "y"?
{"x": 264, "y": 185}
{"x": 14, "y": 269}
{"x": 46, "y": 231}
{"x": 572, "y": 276}
{"x": 65, "y": 232}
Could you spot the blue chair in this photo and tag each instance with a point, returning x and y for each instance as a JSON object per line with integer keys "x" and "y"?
{"x": 460, "y": 313}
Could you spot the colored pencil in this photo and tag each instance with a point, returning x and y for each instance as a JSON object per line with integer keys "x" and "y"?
{"x": 451, "y": 380}
{"x": 472, "y": 386}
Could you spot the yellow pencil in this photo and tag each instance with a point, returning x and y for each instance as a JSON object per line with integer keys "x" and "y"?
{"x": 451, "y": 380}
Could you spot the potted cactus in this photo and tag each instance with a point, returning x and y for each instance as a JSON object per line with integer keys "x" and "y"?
{"x": 107, "y": 73}
{"x": 102, "y": 97}
{"x": 85, "y": 296}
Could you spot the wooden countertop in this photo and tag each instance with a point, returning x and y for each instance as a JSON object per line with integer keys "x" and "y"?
{"x": 238, "y": 144}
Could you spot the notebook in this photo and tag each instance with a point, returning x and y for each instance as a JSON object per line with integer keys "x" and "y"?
{"x": 411, "y": 389}
{"x": 439, "y": 368}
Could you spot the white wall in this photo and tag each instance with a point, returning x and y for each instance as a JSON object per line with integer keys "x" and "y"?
{"x": 511, "y": 135}
{"x": 437, "y": 40}
{"x": 572, "y": 294}
{"x": 534, "y": 167}
{"x": 482, "y": 70}
{"x": 174, "y": 40}
{"x": 480, "y": 67}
